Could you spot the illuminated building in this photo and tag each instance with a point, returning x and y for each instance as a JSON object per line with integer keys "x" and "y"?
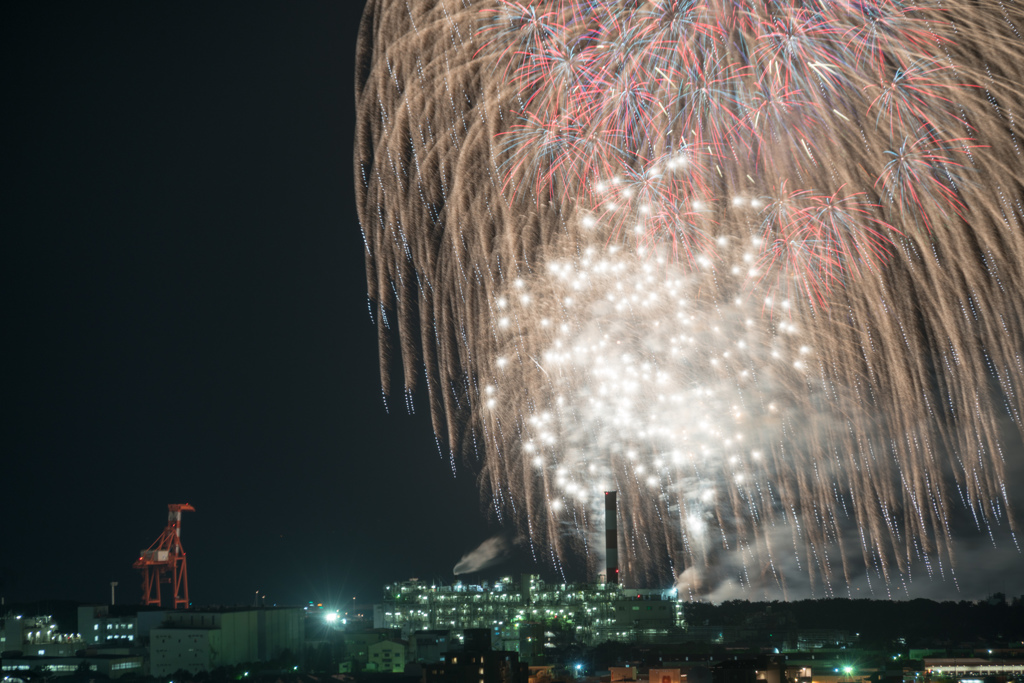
{"x": 110, "y": 666}
{"x": 975, "y": 668}
{"x": 584, "y": 613}
{"x": 37, "y": 636}
{"x": 118, "y": 626}
{"x": 33, "y": 644}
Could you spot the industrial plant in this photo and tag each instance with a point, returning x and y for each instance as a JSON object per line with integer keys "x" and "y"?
{"x": 515, "y": 629}
{"x": 530, "y": 610}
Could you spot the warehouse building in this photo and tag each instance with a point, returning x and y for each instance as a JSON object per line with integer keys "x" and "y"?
{"x": 196, "y": 641}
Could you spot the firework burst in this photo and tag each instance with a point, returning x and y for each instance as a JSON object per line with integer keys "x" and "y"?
{"x": 757, "y": 266}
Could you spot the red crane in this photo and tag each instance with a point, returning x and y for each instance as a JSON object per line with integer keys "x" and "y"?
{"x": 164, "y": 561}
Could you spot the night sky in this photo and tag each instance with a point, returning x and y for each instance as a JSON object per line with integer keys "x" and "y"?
{"x": 185, "y": 293}
{"x": 186, "y": 316}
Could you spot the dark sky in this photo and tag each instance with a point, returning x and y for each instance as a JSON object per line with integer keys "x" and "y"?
{"x": 185, "y": 309}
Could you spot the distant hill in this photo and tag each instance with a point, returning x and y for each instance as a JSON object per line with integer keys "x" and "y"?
{"x": 919, "y": 622}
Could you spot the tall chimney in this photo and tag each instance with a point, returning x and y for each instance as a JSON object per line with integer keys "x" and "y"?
{"x": 611, "y": 543}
